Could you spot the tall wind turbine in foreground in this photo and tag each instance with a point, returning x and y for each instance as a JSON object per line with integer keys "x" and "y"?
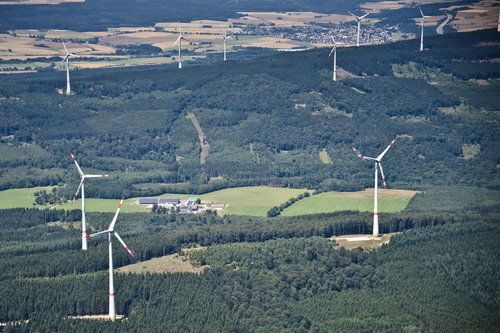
{"x": 225, "y": 37}
{"x": 66, "y": 58}
{"x": 111, "y": 232}
{"x": 358, "y": 18}
{"x": 82, "y": 187}
{"x": 375, "y": 200}
{"x": 334, "y": 51}
{"x": 422, "y": 29}
{"x": 179, "y": 40}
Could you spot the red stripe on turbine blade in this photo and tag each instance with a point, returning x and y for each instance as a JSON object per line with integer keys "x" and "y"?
{"x": 375, "y": 213}
{"x": 111, "y": 294}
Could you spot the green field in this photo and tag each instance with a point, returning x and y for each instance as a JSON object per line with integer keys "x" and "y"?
{"x": 323, "y": 156}
{"x": 19, "y": 197}
{"x": 389, "y": 201}
{"x": 251, "y": 200}
{"x": 105, "y": 205}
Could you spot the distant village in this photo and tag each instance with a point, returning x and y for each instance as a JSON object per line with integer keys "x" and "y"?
{"x": 192, "y": 205}
{"x": 319, "y": 33}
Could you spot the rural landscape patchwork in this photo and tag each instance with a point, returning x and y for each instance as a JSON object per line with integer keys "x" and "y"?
{"x": 249, "y": 166}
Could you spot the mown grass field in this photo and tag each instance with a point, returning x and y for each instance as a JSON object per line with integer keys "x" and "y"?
{"x": 19, "y": 197}
{"x": 389, "y": 201}
{"x": 105, "y": 205}
{"x": 252, "y": 201}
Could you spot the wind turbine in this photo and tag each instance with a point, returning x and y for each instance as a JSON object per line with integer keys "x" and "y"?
{"x": 358, "y": 18}
{"x": 225, "y": 37}
{"x": 422, "y": 30}
{"x": 375, "y": 200}
{"x": 111, "y": 232}
{"x": 82, "y": 187}
{"x": 334, "y": 51}
{"x": 66, "y": 58}
{"x": 179, "y": 40}
{"x": 498, "y": 21}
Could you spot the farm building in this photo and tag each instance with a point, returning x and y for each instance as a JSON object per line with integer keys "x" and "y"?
{"x": 159, "y": 201}
{"x": 191, "y": 201}
{"x": 148, "y": 201}
{"x": 169, "y": 201}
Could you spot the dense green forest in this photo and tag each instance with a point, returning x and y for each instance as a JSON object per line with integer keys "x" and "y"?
{"x": 441, "y": 274}
{"x": 265, "y": 120}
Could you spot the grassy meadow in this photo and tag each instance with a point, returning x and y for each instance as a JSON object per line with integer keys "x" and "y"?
{"x": 389, "y": 201}
{"x": 19, "y": 197}
{"x": 251, "y": 201}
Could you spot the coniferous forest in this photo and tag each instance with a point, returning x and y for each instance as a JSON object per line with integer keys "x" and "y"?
{"x": 266, "y": 120}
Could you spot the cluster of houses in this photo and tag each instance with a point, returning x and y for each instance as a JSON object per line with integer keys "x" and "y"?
{"x": 192, "y": 205}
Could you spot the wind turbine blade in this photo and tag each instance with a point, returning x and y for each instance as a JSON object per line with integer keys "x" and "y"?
{"x": 177, "y": 41}
{"x": 385, "y": 151}
{"x": 123, "y": 243}
{"x": 97, "y": 234}
{"x": 112, "y": 225}
{"x": 362, "y": 17}
{"x": 421, "y": 11}
{"x": 78, "y": 190}
{"x": 333, "y": 49}
{"x": 97, "y": 176}
{"x": 65, "y": 49}
{"x": 65, "y": 58}
{"x": 357, "y": 18}
{"x": 382, "y": 173}
{"x": 77, "y": 166}
{"x": 366, "y": 157}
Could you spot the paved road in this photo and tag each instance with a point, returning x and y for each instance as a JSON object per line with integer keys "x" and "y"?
{"x": 440, "y": 28}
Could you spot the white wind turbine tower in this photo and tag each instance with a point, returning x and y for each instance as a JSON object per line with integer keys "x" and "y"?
{"x": 111, "y": 232}
{"x": 498, "y": 21}
{"x": 66, "y": 58}
{"x": 179, "y": 40}
{"x": 378, "y": 165}
{"x": 334, "y": 51}
{"x": 358, "y": 18}
{"x": 225, "y": 37}
{"x": 422, "y": 29}
{"x": 82, "y": 187}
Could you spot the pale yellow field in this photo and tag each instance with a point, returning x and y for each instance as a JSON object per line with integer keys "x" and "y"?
{"x": 24, "y": 48}
{"x": 431, "y": 21}
{"x": 377, "y": 7}
{"x": 67, "y": 34}
{"x": 289, "y": 19}
{"x": 365, "y": 241}
{"x": 478, "y": 16}
{"x": 200, "y": 27}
